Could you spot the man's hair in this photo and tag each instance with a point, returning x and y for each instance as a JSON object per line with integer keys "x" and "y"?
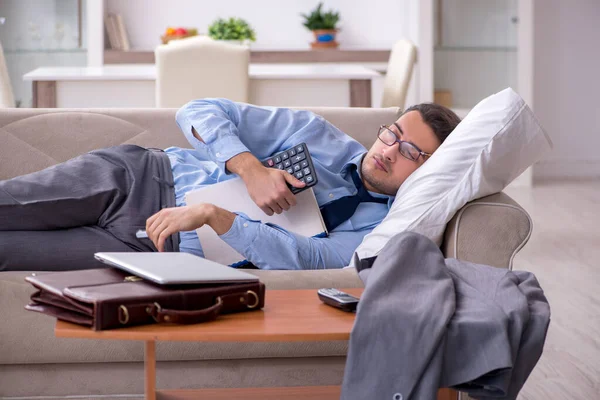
{"x": 440, "y": 119}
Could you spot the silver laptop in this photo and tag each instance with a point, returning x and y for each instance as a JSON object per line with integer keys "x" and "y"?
{"x": 174, "y": 268}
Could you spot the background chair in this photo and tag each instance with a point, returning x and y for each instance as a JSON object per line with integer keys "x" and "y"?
{"x": 199, "y": 67}
{"x": 399, "y": 72}
{"x": 7, "y": 98}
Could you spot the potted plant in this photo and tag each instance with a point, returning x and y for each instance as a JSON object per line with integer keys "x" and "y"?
{"x": 324, "y": 27}
{"x": 232, "y": 29}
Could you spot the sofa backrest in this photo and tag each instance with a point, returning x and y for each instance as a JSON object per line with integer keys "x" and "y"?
{"x": 33, "y": 139}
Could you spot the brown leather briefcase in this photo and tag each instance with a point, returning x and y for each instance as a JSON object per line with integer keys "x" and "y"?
{"x": 110, "y": 298}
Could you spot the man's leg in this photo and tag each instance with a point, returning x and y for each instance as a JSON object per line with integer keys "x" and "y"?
{"x": 71, "y": 194}
{"x": 114, "y": 189}
{"x": 65, "y": 249}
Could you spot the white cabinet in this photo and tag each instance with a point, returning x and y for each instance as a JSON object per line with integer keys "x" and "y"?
{"x": 488, "y": 24}
{"x": 37, "y": 33}
{"x": 475, "y": 48}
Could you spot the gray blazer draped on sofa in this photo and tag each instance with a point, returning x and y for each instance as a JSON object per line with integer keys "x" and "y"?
{"x": 425, "y": 322}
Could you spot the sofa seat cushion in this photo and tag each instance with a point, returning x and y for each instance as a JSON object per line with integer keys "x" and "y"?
{"x": 28, "y": 337}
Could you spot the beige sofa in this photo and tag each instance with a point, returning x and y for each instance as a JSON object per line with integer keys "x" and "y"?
{"x": 34, "y": 363}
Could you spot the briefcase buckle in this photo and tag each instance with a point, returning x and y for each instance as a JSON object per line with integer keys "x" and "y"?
{"x": 256, "y": 299}
{"x": 123, "y": 315}
{"x": 154, "y": 311}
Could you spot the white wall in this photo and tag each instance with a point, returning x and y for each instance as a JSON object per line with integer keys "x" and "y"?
{"x": 374, "y": 24}
{"x": 94, "y": 24}
{"x": 566, "y": 94}
{"x": 422, "y": 36}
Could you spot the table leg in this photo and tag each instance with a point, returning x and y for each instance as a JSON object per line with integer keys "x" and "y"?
{"x": 360, "y": 93}
{"x": 447, "y": 394}
{"x": 44, "y": 94}
{"x": 150, "y": 370}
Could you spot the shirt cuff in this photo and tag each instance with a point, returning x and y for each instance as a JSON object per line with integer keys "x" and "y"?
{"x": 224, "y": 149}
{"x": 218, "y": 149}
{"x": 242, "y": 233}
{"x": 222, "y": 146}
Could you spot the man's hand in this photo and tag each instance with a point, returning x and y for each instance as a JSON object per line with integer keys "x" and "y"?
{"x": 171, "y": 220}
{"x": 266, "y": 186}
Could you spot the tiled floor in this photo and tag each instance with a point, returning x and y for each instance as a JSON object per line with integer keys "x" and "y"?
{"x": 564, "y": 253}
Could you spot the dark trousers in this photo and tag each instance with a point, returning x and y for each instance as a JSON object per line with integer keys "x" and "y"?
{"x": 57, "y": 218}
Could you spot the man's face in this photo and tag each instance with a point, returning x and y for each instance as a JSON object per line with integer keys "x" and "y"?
{"x": 384, "y": 169}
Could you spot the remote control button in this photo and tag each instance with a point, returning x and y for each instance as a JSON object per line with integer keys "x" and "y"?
{"x": 287, "y": 163}
{"x": 299, "y": 157}
{"x": 309, "y": 179}
{"x": 279, "y": 166}
{"x": 304, "y": 164}
{"x": 299, "y": 174}
{"x": 306, "y": 171}
{"x": 284, "y": 156}
{"x": 296, "y": 168}
{"x": 302, "y": 180}
{"x": 277, "y": 159}
{"x": 290, "y": 171}
{"x": 270, "y": 162}
{"x": 299, "y": 149}
{"x": 292, "y": 152}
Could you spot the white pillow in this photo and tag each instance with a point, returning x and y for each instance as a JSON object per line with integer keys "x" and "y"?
{"x": 491, "y": 147}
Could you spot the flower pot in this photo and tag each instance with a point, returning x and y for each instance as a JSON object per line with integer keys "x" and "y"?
{"x": 324, "y": 38}
{"x": 244, "y": 42}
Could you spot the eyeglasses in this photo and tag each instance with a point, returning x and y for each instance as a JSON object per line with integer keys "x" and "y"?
{"x": 406, "y": 149}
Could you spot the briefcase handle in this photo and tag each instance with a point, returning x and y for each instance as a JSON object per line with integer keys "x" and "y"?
{"x": 233, "y": 300}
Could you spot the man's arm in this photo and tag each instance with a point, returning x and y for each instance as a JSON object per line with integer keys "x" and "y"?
{"x": 187, "y": 218}
{"x": 267, "y": 188}
{"x": 231, "y": 132}
{"x": 272, "y": 247}
{"x": 222, "y": 129}
{"x": 266, "y": 246}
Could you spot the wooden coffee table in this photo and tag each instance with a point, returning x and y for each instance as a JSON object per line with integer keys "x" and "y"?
{"x": 288, "y": 316}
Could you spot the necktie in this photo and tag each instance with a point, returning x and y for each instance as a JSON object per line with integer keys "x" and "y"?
{"x": 340, "y": 210}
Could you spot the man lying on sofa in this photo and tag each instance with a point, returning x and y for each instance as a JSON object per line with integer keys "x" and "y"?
{"x": 55, "y": 219}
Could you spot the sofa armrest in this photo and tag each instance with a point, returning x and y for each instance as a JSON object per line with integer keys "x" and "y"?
{"x": 490, "y": 230}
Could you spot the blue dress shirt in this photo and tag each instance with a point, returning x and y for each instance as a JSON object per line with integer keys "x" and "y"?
{"x": 228, "y": 129}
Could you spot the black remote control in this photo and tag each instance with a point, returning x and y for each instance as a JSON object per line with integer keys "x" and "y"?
{"x": 296, "y": 161}
{"x": 338, "y": 299}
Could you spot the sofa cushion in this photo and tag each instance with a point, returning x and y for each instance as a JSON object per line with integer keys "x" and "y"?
{"x": 87, "y": 381}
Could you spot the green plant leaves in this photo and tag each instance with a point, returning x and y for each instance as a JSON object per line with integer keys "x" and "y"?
{"x": 320, "y": 20}
{"x": 231, "y": 29}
